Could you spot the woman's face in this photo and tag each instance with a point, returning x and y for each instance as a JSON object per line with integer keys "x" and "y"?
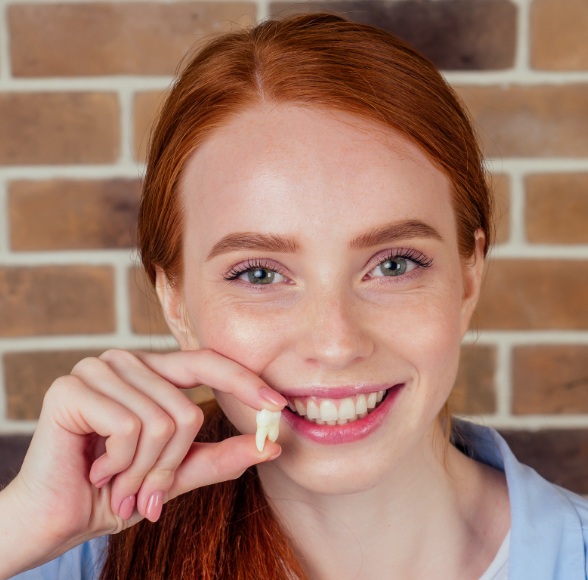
{"x": 320, "y": 251}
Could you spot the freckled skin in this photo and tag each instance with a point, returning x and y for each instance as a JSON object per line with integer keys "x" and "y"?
{"x": 324, "y": 178}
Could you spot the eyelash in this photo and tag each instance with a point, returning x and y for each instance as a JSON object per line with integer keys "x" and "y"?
{"x": 252, "y": 264}
{"x": 415, "y": 256}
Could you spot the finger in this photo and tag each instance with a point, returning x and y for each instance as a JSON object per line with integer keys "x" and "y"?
{"x": 209, "y": 463}
{"x": 169, "y": 422}
{"x": 80, "y": 410}
{"x": 158, "y": 454}
{"x": 187, "y": 369}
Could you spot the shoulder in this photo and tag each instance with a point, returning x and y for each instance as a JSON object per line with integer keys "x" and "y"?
{"x": 549, "y": 524}
{"x": 84, "y": 562}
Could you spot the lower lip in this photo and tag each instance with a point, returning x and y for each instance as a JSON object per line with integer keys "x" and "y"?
{"x": 348, "y": 433}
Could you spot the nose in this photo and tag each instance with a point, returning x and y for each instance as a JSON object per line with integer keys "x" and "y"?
{"x": 335, "y": 333}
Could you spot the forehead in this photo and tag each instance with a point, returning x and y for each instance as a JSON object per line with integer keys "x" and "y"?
{"x": 287, "y": 169}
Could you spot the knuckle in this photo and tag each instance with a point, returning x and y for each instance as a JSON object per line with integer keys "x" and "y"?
{"x": 129, "y": 425}
{"x": 62, "y": 388}
{"x": 161, "y": 427}
{"x": 117, "y": 356}
{"x": 86, "y": 366}
{"x": 191, "y": 416}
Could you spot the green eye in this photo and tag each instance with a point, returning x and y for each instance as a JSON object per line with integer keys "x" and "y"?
{"x": 260, "y": 276}
{"x": 394, "y": 267}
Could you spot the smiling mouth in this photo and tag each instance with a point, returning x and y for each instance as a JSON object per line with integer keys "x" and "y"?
{"x": 323, "y": 411}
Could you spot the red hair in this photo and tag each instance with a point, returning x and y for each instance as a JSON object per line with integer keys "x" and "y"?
{"x": 322, "y": 61}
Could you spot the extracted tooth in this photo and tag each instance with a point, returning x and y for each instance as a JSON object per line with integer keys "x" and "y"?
{"x": 372, "y": 400}
{"x": 268, "y": 426}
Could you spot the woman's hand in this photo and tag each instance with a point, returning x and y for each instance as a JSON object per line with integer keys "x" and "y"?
{"x": 115, "y": 441}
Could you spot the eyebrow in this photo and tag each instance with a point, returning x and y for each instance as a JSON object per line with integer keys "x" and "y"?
{"x": 282, "y": 244}
{"x": 394, "y": 231}
{"x": 253, "y": 241}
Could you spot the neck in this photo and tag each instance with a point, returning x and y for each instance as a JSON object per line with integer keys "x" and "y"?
{"x": 429, "y": 515}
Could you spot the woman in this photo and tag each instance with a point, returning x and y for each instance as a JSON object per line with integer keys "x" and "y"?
{"x": 315, "y": 220}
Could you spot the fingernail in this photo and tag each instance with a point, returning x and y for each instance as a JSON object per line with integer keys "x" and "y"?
{"x": 272, "y": 397}
{"x": 154, "y": 506}
{"x": 127, "y": 507}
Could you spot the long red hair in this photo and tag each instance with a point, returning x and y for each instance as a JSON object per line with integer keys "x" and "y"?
{"x": 228, "y": 530}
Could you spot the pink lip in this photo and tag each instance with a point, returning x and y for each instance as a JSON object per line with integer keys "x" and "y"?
{"x": 339, "y": 392}
{"x": 348, "y": 433}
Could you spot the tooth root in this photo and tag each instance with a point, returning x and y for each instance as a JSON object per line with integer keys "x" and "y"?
{"x": 273, "y": 431}
{"x": 268, "y": 426}
{"x": 260, "y": 436}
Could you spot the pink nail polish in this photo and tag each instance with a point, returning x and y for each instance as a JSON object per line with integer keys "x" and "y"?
{"x": 154, "y": 506}
{"x": 127, "y": 507}
{"x": 272, "y": 397}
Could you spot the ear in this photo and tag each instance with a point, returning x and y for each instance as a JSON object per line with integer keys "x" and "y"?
{"x": 172, "y": 303}
{"x": 473, "y": 273}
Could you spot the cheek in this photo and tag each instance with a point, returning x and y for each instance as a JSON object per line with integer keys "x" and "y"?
{"x": 245, "y": 334}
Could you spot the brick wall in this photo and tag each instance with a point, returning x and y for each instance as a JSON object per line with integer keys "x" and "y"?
{"x": 79, "y": 81}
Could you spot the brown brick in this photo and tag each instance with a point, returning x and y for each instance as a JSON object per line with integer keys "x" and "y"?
{"x": 556, "y": 208}
{"x": 558, "y": 34}
{"x": 535, "y": 294}
{"x": 474, "y": 390}
{"x": 56, "y": 300}
{"x": 550, "y": 379}
{"x": 28, "y": 375}
{"x": 12, "y": 451}
{"x": 111, "y": 38}
{"x": 481, "y": 35}
{"x": 50, "y": 128}
{"x": 530, "y": 121}
{"x": 146, "y": 315}
{"x": 70, "y": 214}
{"x": 147, "y": 106}
{"x": 500, "y": 185}
{"x": 559, "y": 455}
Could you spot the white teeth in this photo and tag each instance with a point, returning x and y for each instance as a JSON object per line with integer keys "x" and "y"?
{"x": 337, "y": 411}
{"x": 268, "y": 426}
{"x": 361, "y": 405}
{"x": 347, "y": 409}
{"x": 312, "y": 410}
{"x": 328, "y": 411}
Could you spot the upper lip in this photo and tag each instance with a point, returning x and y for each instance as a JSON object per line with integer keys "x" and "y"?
{"x": 335, "y": 391}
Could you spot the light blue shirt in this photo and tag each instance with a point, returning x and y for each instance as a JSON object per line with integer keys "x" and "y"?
{"x": 549, "y": 525}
